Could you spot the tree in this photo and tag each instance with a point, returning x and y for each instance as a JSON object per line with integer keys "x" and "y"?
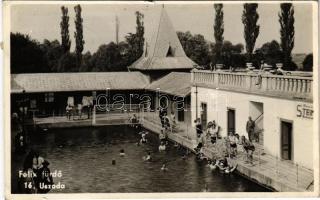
{"x": 52, "y": 52}
{"x": 78, "y": 35}
{"x": 218, "y": 31}
{"x": 251, "y": 29}
{"x": 286, "y": 19}
{"x": 64, "y": 25}
{"x": 195, "y": 47}
{"x": 87, "y": 63}
{"x": 139, "y": 33}
{"x": 135, "y": 41}
{"x": 107, "y": 58}
{"x": 26, "y": 56}
{"x": 269, "y": 53}
{"x": 308, "y": 63}
{"x": 68, "y": 63}
{"x": 231, "y": 55}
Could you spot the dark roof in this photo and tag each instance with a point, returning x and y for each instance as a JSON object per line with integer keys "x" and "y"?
{"x": 175, "y": 83}
{"x": 59, "y": 82}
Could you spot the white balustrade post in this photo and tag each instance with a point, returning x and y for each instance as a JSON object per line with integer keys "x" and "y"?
{"x": 264, "y": 83}
{"x": 216, "y": 79}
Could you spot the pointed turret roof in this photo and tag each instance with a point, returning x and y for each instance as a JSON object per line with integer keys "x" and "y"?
{"x": 165, "y": 51}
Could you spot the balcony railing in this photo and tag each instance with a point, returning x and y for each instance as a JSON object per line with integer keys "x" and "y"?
{"x": 285, "y": 86}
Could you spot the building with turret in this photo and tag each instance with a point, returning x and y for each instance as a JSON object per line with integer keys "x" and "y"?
{"x": 163, "y": 53}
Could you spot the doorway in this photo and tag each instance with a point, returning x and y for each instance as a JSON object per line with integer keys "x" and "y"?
{"x": 256, "y": 113}
{"x": 286, "y": 140}
{"x": 231, "y": 116}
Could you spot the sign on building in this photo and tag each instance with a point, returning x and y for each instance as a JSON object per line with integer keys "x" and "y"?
{"x": 305, "y": 111}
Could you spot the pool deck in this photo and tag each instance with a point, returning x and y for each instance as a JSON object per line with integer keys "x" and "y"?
{"x": 100, "y": 120}
{"x": 267, "y": 170}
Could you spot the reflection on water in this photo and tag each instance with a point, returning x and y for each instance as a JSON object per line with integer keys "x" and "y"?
{"x": 84, "y": 156}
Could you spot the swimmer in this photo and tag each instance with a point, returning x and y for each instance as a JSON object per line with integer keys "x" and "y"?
{"x": 184, "y": 157}
{"x": 147, "y": 157}
{"x": 230, "y": 169}
{"x": 213, "y": 165}
{"x": 122, "y": 153}
{"x": 205, "y": 189}
{"x": 164, "y": 167}
{"x": 162, "y": 147}
{"x": 143, "y": 137}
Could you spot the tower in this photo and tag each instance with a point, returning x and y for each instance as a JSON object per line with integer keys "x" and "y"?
{"x": 164, "y": 53}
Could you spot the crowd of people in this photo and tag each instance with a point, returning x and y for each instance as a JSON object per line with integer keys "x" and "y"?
{"x": 231, "y": 144}
{"x": 73, "y": 111}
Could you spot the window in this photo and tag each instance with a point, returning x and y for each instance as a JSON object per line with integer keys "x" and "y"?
{"x": 170, "y": 52}
{"x": 33, "y": 103}
{"x": 49, "y": 97}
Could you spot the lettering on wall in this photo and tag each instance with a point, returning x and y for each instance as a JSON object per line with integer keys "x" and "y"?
{"x": 305, "y": 111}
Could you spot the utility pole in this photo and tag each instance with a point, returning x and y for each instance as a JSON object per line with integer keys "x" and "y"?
{"x": 117, "y": 30}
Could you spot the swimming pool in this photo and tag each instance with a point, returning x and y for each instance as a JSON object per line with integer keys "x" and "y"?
{"x": 84, "y": 158}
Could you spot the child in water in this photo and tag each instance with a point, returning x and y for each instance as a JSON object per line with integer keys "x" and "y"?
{"x": 147, "y": 157}
{"x": 164, "y": 167}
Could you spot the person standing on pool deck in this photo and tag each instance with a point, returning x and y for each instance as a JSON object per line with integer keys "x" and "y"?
{"x": 249, "y": 149}
{"x": 198, "y": 127}
{"x": 233, "y": 144}
{"x": 161, "y": 114}
{"x": 250, "y": 128}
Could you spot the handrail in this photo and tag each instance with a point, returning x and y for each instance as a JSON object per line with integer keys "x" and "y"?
{"x": 258, "y": 117}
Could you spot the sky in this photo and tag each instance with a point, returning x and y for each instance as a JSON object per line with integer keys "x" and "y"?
{"x": 42, "y": 21}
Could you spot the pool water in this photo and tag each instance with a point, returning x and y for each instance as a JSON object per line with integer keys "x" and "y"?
{"x": 84, "y": 157}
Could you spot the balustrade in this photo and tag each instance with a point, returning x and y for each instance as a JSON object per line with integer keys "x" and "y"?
{"x": 279, "y": 85}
